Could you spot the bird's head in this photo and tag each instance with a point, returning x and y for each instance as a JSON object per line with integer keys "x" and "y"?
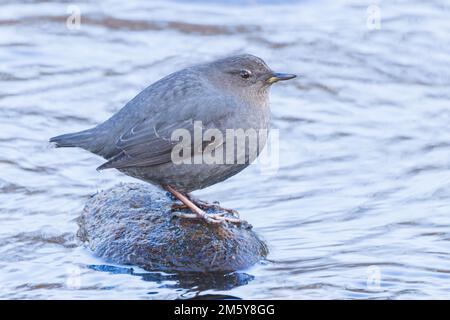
{"x": 244, "y": 73}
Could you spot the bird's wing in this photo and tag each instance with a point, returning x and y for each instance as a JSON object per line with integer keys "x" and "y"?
{"x": 148, "y": 143}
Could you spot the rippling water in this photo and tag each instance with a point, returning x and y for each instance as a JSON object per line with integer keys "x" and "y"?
{"x": 363, "y": 189}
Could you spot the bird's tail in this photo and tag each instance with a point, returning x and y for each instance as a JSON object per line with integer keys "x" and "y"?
{"x": 83, "y": 139}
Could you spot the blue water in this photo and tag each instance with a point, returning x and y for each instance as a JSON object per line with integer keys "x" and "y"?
{"x": 359, "y": 207}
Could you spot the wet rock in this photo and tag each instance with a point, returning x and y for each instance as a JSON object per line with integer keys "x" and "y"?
{"x": 134, "y": 224}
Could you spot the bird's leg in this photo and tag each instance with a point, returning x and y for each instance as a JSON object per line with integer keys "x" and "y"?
{"x": 181, "y": 207}
{"x": 215, "y": 205}
{"x": 197, "y": 212}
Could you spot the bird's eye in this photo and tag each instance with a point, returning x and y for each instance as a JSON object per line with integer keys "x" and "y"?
{"x": 245, "y": 74}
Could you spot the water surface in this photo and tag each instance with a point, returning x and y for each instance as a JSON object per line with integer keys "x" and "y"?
{"x": 359, "y": 207}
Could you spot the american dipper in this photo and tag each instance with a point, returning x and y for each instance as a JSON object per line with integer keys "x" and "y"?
{"x": 226, "y": 94}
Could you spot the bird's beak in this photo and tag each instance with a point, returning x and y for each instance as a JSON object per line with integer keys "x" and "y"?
{"x": 275, "y": 77}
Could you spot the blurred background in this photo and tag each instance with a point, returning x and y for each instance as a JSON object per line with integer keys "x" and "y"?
{"x": 360, "y": 206}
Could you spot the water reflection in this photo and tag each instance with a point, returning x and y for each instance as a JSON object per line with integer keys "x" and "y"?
{"x": 192, "y": 282}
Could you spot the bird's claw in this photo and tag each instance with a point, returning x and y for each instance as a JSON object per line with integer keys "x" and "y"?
{"x": 215, "y": 206}
{"x": 215, "y": 218}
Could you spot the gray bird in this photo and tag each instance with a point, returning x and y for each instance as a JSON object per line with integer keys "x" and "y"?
{"x": 230, "y": 93}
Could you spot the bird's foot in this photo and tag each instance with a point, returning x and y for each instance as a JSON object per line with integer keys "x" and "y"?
{"x": 198, "y": 213}
{"x": 214, "y": 206}
{"x": 208, "y": 217}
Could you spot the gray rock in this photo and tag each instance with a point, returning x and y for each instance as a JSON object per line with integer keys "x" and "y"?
{"x": 134, "y": 224}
